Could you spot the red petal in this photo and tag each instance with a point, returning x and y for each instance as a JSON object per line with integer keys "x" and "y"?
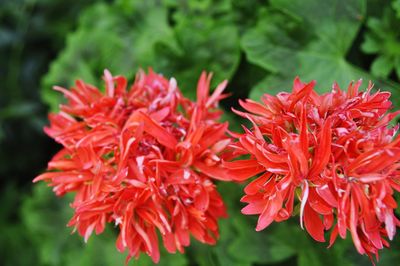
{"x": 202, "y": 200}
{"x": 254, "y": 207}
{"x": 333, "y": 236}
{"x": 270, "y": 211}
{"x": 304, "y": 92}
{"x": 203, "y": 88}
{"x": 325, "y": 193}
{"x": 255, "y": 107}
{"x": 257, "y": 184}
{"x": 353, "y": 227}
{"x": 109, "y": 83}
{"x": 157, "y": 131}
{"x": 216, "y": 94}
{"x": 313, "y": 224}
{"x": 155, "y": 252}
{"x": 323, "y": 149}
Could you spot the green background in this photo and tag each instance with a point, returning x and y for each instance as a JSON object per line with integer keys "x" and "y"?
{"x": 259, "y": 46}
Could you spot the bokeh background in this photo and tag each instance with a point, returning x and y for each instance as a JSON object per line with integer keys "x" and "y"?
{"x": 260, "y": 46}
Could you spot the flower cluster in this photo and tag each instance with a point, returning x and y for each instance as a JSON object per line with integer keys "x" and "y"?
{"x": 144, "y": 159}
{"x": 335, "y": 153}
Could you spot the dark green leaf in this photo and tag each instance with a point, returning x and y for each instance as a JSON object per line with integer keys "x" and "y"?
{"x": 383, "y": 38}
{"x": 119, "y": 42}
{"x": 125, "y": 41}
{"x": 259, "y": 247}
{"x": 382, "y": 66}
{"x": 320, "y": 54}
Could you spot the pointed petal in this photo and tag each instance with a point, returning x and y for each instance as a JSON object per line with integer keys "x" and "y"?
{"x": 270, "y": 211}
{"x": 313, "y": 224}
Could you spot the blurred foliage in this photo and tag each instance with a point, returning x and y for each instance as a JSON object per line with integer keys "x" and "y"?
{"x": 31, "y": 34}
{"x": 133, "y": 34}
{"x": 260, "y": 46}
{"x": 54, "y": 243}
{"x": 383, "y": 38}
{"x": 287, "y": 41}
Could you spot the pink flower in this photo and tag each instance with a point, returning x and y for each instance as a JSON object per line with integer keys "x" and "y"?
{"x": 335, "y": 153}
{"x": 143, "y": 159}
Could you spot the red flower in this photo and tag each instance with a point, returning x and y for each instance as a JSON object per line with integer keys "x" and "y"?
{"x": 143, "y": 159}
{"x": 334, "y": 151}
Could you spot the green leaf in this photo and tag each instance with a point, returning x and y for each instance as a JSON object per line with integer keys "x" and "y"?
{"x": 223, "y": 247}
{"x": 273, "y": 84}
{"x": 166, "y": 259}
{"x": 18, "y": 110}
{"x": 382, "y": 38}
{"x": 330, "y": 32}
{"x": 317, "y": 53}
{"x": 45, "y": 218}
{"x": 333, "y": 22}
{"x": 12, "y": 233}
{"x": 382, "y": 66}
{"x": 370, "y": 45}
{"x": 208, "y": 43}
{"x": 268, "y": 46}
{"x": 231, "y": 194}
{"x": 310, "y": 252}
{"x": 118, "y": 41}
{"x": 397, "y": 66}
{"x": 396, "y": 7}
{"x": 317, "y": 253}
{"x": 137, "y": 34}
{"x": 260, "y": 247}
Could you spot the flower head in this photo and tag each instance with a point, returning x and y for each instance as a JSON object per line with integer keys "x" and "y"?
{"x": 335, "y": 153}
{"x": 143, "y": 159}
